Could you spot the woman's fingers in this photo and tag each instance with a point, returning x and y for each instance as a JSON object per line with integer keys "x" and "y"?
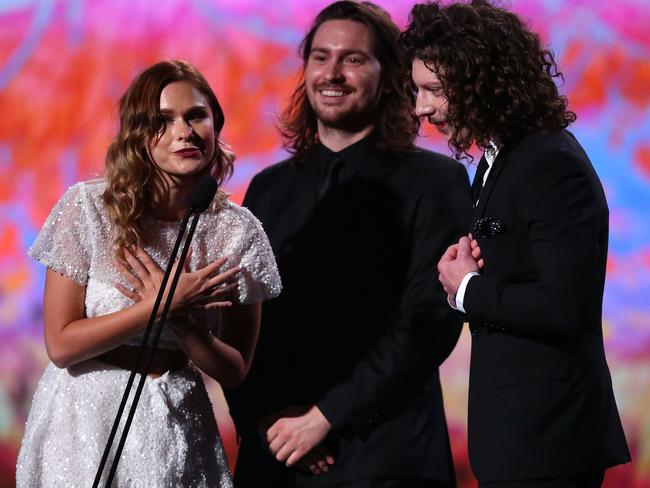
{"x": 128, "y": 293}
{"x": 216, "y": 305}
{"x": 210, "y": 304}
{"x": 224, "y": 278}
{"x": 147, "y": 261}
{"x": 130, "y": 277}
{"x": 186, "y": 263}
{"x": 205, "y": 290}
{"x": 188, "y": 258}
{"x": 223, "y": 291}
{"x": 136, "y": 265}
{"x": 219, "y": 297}
{"x": 212, "y": 268}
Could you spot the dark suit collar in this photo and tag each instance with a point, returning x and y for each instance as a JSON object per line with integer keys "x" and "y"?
{"x": 362, "y": 158}
{"x": 478, "y": 178}
{"x": 500, "y": 162}
{"x": 484, "y": 193}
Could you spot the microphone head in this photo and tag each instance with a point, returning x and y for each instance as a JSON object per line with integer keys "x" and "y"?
{"x": 202, "y": 194}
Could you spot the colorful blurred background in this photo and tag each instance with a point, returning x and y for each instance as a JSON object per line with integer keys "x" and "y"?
{"x": 64, "y": 64}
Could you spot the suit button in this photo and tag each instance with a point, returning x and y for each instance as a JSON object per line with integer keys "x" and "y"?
{"x": 473, "y": 330}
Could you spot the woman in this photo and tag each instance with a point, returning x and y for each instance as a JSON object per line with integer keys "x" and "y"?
{"x": 104, "y": 244}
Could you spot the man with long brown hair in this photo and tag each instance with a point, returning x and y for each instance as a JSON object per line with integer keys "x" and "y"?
{"x": 344, "y": 388}
{"x": 541, "y": 408}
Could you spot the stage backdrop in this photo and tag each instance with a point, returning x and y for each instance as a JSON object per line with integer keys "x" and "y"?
{"x": 64, "y": 64}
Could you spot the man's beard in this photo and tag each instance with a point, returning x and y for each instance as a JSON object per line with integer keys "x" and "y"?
{"x": 350, "y": 121}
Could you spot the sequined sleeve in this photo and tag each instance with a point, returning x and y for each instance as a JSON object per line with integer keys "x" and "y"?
{"x": 259, "y": 279}
{"x": 60, "y": 244}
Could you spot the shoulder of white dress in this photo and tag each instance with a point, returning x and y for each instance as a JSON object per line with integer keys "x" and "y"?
{"x": 241, "y": 214}
{"x": 94, "y": 189}
{"x": 81, "y": 192}
{"x": 94, "y": 185}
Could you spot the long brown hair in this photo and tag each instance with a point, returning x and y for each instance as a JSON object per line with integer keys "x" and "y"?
{"x": 495, "y": 74}
{"x": 128, "y": 164}
{"x": 396, "y": 126}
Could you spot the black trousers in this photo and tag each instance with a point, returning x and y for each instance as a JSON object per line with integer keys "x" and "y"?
{"x": 593, "y": 479}
{"x": 392, "y": 483}
{"x": 257, "y": 469}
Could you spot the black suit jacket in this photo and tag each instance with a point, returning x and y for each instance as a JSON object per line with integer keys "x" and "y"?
{"x": 540, "y": 400}
{"x": 362, "y": 324}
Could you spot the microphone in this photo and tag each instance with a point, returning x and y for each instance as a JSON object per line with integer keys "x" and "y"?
{"x": 202, "y": 194}
{"x": 198, "y": 202}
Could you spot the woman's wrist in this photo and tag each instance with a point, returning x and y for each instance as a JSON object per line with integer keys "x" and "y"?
{"x": 190, "y": 325}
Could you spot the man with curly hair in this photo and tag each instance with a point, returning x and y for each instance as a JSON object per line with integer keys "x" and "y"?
{"x": 530, "y": 276}
{"x": 344, "y": 387}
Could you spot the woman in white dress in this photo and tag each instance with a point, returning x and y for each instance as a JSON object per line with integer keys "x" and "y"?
{"x": 104, "y": 245}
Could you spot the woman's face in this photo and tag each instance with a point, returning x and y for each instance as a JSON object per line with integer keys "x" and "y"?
{"x": 187, "y": 141}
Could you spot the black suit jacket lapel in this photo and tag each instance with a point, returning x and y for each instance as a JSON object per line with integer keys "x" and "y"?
{"x": 493, "y": 177}
{"x": 478, "y": 179}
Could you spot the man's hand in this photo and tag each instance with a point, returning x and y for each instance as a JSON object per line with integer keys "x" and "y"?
{"x": 317, "y": 461}
{"x": 298, "y": 435}
{"x": 476, "y": 251}
{"x": 457, "y": 261}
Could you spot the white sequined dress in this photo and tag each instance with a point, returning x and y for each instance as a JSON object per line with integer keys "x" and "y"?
{"x": 174, "y": 440}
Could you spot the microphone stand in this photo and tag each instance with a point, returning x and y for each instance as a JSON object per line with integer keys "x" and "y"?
{"x": 146, "y": 350}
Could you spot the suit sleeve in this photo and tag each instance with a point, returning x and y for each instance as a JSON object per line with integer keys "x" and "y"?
{"x": 250, "y": 197}
{"x": 427, "y": 330}
{"x": 566, "y": 217}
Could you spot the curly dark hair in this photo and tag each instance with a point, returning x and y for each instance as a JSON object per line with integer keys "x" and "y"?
{"x": 396, "y": 124}
{"x": 496, "y": 76}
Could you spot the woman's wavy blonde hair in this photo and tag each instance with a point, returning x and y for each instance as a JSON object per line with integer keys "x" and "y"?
{"x": 128, "y": 165}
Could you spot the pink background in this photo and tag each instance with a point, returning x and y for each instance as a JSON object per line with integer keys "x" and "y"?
{"x": 64, "y": 64}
